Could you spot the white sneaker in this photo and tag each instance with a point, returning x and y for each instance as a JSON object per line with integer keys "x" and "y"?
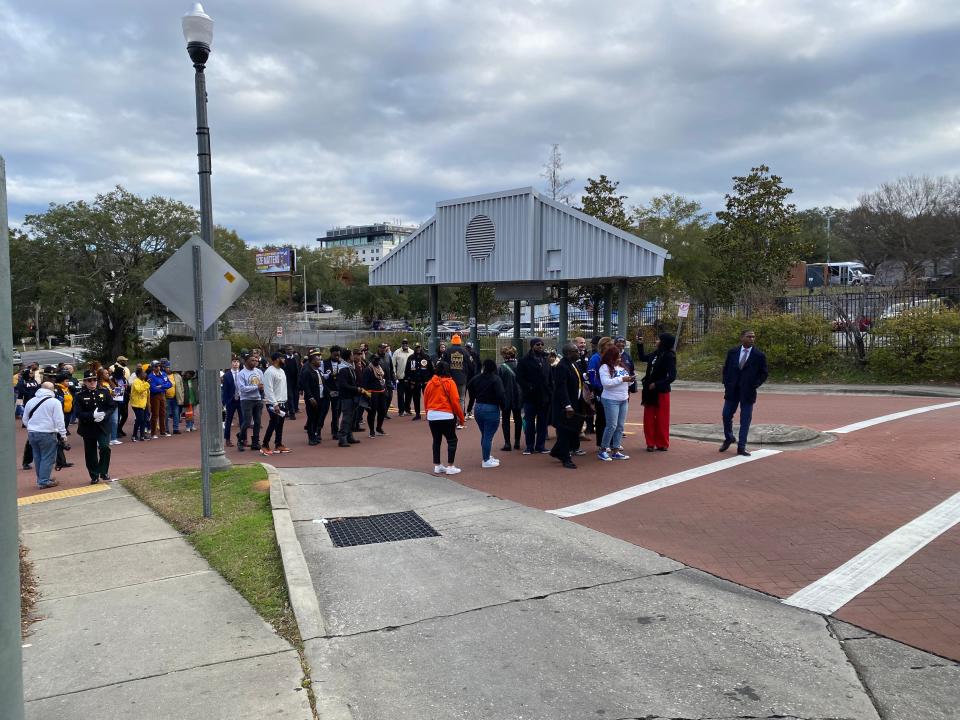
{"x": 451, "y": 470}
{"x": 493, "y": 459}
{"x": 439, "y": 469}
{"x": 491, "y": 463}
{"x": 116, "y": 442}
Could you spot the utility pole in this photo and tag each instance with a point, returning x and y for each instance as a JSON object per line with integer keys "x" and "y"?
{"x": 829, "y": 218}
{"x": 11, "y": 669}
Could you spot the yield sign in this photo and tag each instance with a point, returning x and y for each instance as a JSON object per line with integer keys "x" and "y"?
{"x": 172, "y": 284}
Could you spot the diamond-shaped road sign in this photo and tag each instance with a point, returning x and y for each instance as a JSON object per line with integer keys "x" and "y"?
{"x": 172, "y": 283}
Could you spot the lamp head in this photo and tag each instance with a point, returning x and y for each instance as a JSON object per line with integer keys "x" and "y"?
{"x": 198, "y": 32}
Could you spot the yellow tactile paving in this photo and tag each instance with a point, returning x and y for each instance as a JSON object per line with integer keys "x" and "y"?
{"x": 60, "y": 494}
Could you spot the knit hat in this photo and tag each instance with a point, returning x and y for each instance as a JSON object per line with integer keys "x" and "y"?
{"x": 455, "y": 340}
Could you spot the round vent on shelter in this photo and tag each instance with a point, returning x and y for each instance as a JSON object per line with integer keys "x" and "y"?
{"x": 481, "y": 237}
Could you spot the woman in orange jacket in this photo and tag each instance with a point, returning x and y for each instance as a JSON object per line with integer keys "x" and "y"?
{"x": 443, "y": 415}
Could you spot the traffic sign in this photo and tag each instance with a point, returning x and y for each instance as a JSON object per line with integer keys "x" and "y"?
{"x": 172, "y": 284}
{"x": 683, "y": 310}
{"x": 216, "y": 354}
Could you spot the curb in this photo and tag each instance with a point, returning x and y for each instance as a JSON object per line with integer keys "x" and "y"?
{"x": 780, "y": 388}
{"x": 303, "y": 597}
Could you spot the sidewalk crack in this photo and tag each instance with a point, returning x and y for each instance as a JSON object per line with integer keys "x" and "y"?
{"x": 391, "y": 628}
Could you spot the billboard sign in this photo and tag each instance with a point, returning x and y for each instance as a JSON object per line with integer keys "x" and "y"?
{"x": 275, "y": 261}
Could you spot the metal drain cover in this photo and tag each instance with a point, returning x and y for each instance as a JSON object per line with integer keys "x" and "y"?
{"x": 369, "y": 529}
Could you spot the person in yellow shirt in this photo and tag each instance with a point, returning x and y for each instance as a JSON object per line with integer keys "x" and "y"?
{"x": 139, "y": 398}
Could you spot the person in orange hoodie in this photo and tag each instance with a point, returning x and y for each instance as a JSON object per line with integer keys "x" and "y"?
{"x": 444, "y": 413}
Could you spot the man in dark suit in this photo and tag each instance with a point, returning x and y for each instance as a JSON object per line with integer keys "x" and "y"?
{"x": 566, "y": 401}
{"x": 743, "y": 372}
{"x": 311, "y": 382}
{"x": 230, "y": 396}
{"x": 291, "y": 368}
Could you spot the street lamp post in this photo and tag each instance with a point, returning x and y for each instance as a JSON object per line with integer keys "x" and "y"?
{"x": 198, "y": 32}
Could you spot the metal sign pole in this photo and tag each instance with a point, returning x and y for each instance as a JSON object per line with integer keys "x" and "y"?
{"x": 11, "y": 671}
{"x": 206, "y": 416}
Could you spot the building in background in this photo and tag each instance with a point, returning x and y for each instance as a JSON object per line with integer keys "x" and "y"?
{"x": 369, "y": 243}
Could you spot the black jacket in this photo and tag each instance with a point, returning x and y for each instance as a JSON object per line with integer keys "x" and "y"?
{"x": 291, "y": 368}
{"x": 347, "y": 383}
{"x": 740, "y": 384}
{"x": 419, "y": 369}
{"x": 88, "y": 401}
{"x": 533, "y": 375}
{"x": 566, "y": 391}
{"x": 370, "y": 381}
{"x": 461, "y": 364}
{"x": 488, "y": 388}
{"x": 309, "y": 381}
{"x": 511, "y": 389}
{"x": 661, "y": 369}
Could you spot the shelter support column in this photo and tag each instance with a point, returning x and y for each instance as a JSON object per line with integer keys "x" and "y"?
{"x": 623, "y": 309}
{"x": 434, "y": 317}
{"x": 516, "y": 326}
{"x": 608, "y": 309}
{"x": 562, "y": 293}
{"x": 474, "y": 312}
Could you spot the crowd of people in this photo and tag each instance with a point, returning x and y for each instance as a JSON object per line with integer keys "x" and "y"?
{"x": 582, "y": 394}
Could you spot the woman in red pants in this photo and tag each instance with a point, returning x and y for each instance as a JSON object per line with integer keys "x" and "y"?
{"x": 655, "y": 393}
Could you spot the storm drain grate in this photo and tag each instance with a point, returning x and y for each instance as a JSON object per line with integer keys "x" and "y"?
{"x": 390, "y": 527}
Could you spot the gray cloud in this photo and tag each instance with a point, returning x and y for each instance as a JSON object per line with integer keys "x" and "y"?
{"x": 326, "y": 113}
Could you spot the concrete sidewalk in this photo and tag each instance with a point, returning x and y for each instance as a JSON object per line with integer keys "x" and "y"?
{"x": 135, "y": 624}
{"x": 514, "y": 613}
{"x": 946, "y": 391}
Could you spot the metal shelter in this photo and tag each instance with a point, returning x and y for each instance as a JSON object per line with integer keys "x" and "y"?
{"x": 521, "y": 243}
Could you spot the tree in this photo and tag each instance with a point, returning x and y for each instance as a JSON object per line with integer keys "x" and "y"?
{"x": 757, "y": 238}
{"x": 915, "y": 219}
{"x": 106, "y": 250}
{"x": 681, "y": 226}
{"x": 553, "y": 173}
{"x": 857, "y": 238}
{"x": 487, "y": 303}
{"x": 600, "y": 200}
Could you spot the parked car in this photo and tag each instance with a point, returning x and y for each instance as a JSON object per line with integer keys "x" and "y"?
{"x": 17, "y": 358}
{"x": 456, "y": 325}
{"x": 932, "y": 305}
{"x": 325, "y": 309}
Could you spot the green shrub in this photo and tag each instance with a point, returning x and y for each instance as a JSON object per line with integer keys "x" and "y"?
{"x": 918, "y": 345}
{"x": 790, "y": 342}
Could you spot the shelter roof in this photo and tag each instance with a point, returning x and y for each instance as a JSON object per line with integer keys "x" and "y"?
{"x": 515, "y": 236}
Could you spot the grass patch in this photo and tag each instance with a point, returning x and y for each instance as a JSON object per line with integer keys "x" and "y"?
{"x": 238, "y": 541}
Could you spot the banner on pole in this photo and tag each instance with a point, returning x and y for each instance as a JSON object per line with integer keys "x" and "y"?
{"x": 683, "y": 310}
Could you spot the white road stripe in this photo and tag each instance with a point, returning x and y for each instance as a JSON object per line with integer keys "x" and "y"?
{"x": 664, "y": 482}
{"x": 894, "y": 416}
{"x": 833, "y": 591}
{"x": 653, "y": 485}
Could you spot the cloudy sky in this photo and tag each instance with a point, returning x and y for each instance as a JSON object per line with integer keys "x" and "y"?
{"x": 331, "y": 113}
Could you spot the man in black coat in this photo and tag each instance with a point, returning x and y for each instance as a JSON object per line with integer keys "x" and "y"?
{"x": 566, "y": 405}
{"x": 743, "y": 372}
{"x": 311, "y": 382}
{"x": 93, "y": 404}
{"x": 417, "y": 374}
{"x": 349, "y": 391}
{"x": 291, "y": 368}
{"x": 533, "y": 376}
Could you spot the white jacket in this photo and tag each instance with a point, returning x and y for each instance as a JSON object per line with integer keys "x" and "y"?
{"x": 274, "y": 386}
{"x": 400, "y": 357}
{"x": 45, "y": 418}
